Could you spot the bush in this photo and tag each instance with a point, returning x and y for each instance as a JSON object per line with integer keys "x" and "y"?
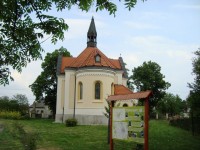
{"x": 10, "y": 115}
{"x": 71, "y": 122}
{"x": 29, "y": 140}
{"x": 184, "y": 123}
{"x": 25, "y": 117}
{"x": 187, "y": 124}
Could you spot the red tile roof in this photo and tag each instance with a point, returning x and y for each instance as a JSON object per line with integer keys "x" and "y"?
{"x": 66, "y": 61}
{"x": 137, "y": 95}
{"x": 87, "y": 58}
{"x": 121, "y": 90}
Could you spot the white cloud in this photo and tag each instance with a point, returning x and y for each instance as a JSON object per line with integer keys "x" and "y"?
{"x": 21, "y": 82}
{"x": 184, "y": 6}
{"x": 79, "y": 27}
{"x": 175, "y": 59}
{"x": 140, "y": 25}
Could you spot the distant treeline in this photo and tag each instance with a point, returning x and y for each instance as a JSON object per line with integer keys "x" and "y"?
{"x": 19, "y": 103}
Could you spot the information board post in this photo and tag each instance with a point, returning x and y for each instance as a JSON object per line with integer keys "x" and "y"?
{"x": 111, "y": 112}
{"x": 146, "y": 122}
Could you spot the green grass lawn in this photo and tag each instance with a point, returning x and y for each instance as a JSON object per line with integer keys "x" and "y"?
{"x": 54, "y": 136}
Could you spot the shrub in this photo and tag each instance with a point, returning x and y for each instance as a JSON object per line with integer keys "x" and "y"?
{"x": 187, "y": 124}
{"x": 71, "y": 122}
{"x": 184, "y": 123}
{"x": 10, "y": 115}
{"x": 29, "y": 140}
{"x": 25, "y": 117}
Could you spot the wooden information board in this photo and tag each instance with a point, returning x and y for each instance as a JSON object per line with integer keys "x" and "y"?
{"x": 130, "y": 123}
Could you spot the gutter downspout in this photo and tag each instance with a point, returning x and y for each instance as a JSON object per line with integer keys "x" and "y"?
{"x": 63, "y": 115}
{"x": 74, "y": 97}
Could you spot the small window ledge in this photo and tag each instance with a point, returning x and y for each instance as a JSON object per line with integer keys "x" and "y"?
{"x": 97, "y": 101}
{"x": 80, "y": 101}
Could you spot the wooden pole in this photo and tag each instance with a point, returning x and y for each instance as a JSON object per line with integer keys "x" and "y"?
{"x": 111, "y": 113}
{"x": 146, "y": 124}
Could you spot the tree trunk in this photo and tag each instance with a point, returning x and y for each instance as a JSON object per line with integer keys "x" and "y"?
{"x": 157, "y": 116}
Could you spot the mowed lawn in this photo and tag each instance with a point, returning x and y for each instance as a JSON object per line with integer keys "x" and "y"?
{"x": 53, "y": 136}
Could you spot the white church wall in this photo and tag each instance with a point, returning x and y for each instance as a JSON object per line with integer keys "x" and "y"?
{"x": 71, "y": 91}
{"x": 124, "y": 82}
{"x": 69, "y": 84}
{"x": 60, "y": 94}
{"x": 88, "y": 79}
{"x": 90, "y": 111}
{"x": 118, "y": 77}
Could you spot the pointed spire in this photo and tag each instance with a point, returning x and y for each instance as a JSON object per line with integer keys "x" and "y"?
{"x": 92, "y": 35}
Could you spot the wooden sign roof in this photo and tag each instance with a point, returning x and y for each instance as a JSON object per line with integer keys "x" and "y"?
{"x": 138, "y": 95}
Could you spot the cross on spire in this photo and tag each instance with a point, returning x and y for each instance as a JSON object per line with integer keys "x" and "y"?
{"x": 92, "y": 35}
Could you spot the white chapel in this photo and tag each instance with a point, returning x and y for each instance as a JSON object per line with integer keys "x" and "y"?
{"x": 86, "y": 81}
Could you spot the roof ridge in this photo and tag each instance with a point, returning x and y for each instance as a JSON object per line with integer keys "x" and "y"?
{"x": 75, "y": 60}
{"x": 112, "y": 62}
{"x": 88, "y": 58}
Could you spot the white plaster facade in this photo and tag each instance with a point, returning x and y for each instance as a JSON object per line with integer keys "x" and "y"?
{"x": 68, "y": 101}
{"x": 39, "y": 109}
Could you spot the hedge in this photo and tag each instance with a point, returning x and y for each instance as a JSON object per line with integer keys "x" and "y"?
{"x": 10, "y": 115}
{"x": 190, "y": 124}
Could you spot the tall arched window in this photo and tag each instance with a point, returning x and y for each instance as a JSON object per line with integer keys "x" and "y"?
{"x": 98, "y": 90}
{"x": 80, "y": 90}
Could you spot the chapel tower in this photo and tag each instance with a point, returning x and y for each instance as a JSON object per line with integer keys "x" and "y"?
{"x": 92, "y": 35}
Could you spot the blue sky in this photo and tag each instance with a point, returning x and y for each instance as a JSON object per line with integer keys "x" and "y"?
{"x": 165, "y": 32}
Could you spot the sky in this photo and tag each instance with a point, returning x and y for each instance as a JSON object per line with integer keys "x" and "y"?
{"x": 165, "y": 32}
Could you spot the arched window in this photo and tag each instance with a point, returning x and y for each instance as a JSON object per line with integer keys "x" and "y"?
{"x": 125, "y": 105}
{"x": 98, "y": 90}
{"x": 97, "y": 58}
{"x": 80, "y": 86}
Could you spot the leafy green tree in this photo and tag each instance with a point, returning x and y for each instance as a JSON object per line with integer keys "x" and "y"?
{"x": 4, "y": 103}
{"x": 148, "y": 76}
{"x": 22, "y": 101}
{"x": 194, "y": 95}
{"x": 7, "y": 104}
{"x": 171, "y": 104}
{"x": 45, "y": 86}
{"x": 5, "y": 98}
{"x": 24, "y": 22}
{"x": 19, "y": 103}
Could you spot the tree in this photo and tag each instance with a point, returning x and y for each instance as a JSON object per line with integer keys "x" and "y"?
{"x": 19, "y": 103}
{"x": 171, "y": 104}
{"x": 4, "y": 103}
{"x": 148, "y": 76}
{"x": 45, "y": 86}
{"x": 24, "y": 22}
{"x": 194, "y": 95}
{"x": 21, "y": 99}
